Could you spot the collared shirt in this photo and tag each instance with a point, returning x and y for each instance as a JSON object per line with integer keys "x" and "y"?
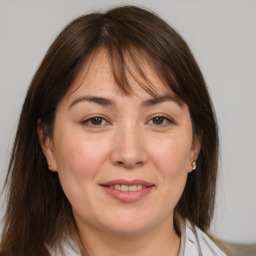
{"x": 194, "y": 242}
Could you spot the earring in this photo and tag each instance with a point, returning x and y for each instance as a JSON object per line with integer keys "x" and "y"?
{"x": 49, "y": 166}
{"x": 194, "y": 165}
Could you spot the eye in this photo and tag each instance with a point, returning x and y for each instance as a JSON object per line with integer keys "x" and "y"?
{"x": 160, "y": 121}
{"x": 95, "y": 121}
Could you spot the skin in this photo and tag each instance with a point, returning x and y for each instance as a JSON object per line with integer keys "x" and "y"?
{"x": 133, "y": 138}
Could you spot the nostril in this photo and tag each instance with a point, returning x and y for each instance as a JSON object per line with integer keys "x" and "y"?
{"x": 128, "y": 164}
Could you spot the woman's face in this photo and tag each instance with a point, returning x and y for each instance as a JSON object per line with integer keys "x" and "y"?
{"x": 122, "y": 160}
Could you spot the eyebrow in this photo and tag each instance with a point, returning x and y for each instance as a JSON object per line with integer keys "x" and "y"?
{"x": 110, "y": 103}
{"x": 160, "y": 99}
{"x": 98, "y": 100}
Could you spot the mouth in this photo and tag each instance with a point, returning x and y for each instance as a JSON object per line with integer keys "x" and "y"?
{"x": 126, "y": 188}
{"x": 127, "y": 191}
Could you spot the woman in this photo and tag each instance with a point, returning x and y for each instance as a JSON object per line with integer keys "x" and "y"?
{"x": 117, "y": 147}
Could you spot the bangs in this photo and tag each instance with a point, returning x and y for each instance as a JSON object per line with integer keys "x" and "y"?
{"x": 132, "y": 64}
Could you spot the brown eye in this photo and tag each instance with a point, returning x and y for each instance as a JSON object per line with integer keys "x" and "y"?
{"x": 95, "y": 121}
{"x": 159, "y": 120}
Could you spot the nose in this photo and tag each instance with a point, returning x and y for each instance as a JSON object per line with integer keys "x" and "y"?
{"x": 129, "y": 149}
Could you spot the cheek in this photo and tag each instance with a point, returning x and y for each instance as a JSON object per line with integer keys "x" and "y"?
{"x": 172, "y": 156}
{"x": 78, "y": 161}
{"x": 79, "y": 156}
{"x": 172, "y": 160}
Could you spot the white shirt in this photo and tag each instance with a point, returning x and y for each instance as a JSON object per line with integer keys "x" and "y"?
{"x": 194, "y": 242}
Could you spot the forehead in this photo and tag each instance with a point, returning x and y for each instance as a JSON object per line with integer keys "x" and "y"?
{"x": 99, "y": 72}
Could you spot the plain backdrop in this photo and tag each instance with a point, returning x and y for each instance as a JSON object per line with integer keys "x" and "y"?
{"x": 222, "y": 36}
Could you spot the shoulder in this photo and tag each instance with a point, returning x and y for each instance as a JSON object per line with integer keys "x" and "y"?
{"x": 69, "y": 248}
{"x": 235, "y": 249}
{"x": 231, "y": 249}
{"x": 198, "y": 243}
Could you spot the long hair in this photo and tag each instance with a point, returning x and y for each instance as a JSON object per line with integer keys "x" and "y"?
{"x": 38, "y": 214}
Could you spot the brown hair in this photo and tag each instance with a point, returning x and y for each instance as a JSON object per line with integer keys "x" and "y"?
{"x": 38, "y": 213}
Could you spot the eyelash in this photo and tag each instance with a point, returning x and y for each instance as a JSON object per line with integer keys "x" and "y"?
{"x": 89, "y": 121}
{"x": 165, "y": 121}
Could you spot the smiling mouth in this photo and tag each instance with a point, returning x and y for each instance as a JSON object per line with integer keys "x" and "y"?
{"x": 126, "y": 188}
{"x": 128, "y": 191}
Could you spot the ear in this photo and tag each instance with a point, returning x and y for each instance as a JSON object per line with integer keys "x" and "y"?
{"x": 47, "y": 145}
{"x": 195, "y": 150}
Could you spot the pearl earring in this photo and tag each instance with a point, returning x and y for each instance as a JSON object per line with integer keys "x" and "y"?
{"x": 194, "y": 165}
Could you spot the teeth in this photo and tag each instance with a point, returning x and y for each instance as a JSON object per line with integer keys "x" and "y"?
{"x": 139, "y": 187}
{"x": 126, "y": 188}
{"x": 132, "y": 188}
{"x": 117, "y": 187}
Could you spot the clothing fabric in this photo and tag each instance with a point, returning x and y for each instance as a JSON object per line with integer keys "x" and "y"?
{"x": 194, "y": 242}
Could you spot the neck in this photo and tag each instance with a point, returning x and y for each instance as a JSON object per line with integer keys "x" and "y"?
{"x": 161, "y": 240}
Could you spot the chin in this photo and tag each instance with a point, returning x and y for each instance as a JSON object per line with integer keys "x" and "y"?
{"x": 127, "y": 224}
{"x": 125, "y": 229}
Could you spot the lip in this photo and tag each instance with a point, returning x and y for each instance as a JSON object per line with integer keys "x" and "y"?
{"x": 128, "y": 196}
{"x": 127, "y": 182}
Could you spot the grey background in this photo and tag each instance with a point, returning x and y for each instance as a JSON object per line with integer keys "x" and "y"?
{"x": 222, "y": 36}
